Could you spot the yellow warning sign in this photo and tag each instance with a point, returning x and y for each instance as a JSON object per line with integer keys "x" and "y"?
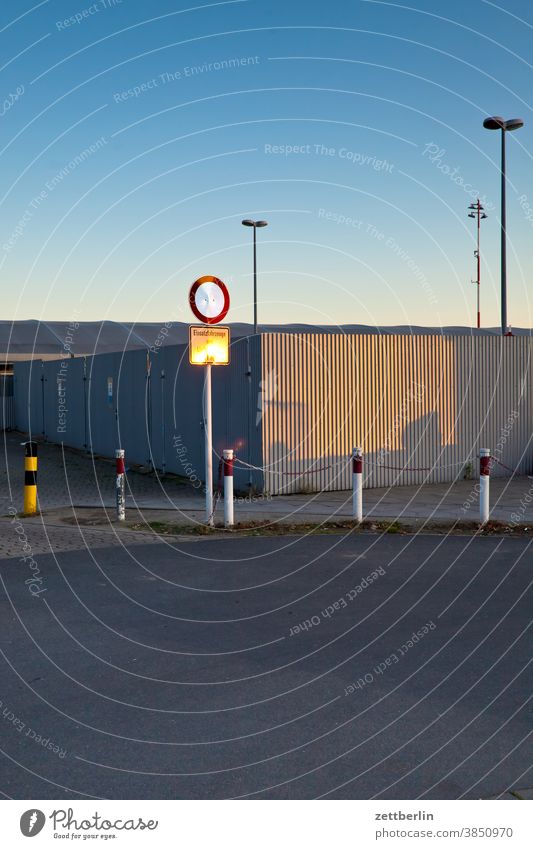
{"x": 208, "y": 345}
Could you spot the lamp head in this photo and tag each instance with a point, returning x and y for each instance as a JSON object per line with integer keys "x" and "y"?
{"x": 514, "y": 124}
{"x": 496, "y": 122}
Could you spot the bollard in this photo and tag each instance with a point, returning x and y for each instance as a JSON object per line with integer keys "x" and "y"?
{"x": 121, "y": 485}
{"x": 357, "y": 484}
{"x": 484, "y": 483}
{"x": 227, "y": 454}
{"x": 30, "y": 478}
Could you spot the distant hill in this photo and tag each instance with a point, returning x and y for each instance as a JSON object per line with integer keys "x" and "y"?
{"x": 50, "y": 339}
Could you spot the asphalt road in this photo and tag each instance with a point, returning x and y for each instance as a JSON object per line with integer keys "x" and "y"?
{"x": 190, "y": 672}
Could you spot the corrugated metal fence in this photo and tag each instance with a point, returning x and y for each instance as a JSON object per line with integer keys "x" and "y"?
{"x": 427, "y": 403}
{"x": 149, "y": 403}
{"x": 7, "y": 402}
{"x": 297, "y": 404}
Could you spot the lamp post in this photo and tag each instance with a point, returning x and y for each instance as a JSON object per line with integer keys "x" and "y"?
{"x": 498, "y": 123}
{"x": 255, "y": 224}
{"x": 477, "y": 211}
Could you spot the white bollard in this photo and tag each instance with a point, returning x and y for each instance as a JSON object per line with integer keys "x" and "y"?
{"x": 227, "y": 456}
{"x": 484, "y": 485}
{"x": 357, "y": 484}
{"x": 121, "y": 485}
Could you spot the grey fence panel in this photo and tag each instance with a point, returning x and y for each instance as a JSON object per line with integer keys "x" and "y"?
{"x": 133, "y": 404}
{"x": 29, "y": 397}
{"x": 7, "y": 412}
{"x": 6, "y": 385}
{"x": 102, "y": 379}
{"x": 494, "y": 400}
{"x": 64, "y": 402}
{"x": 21, "y": 388}
{"x": 117, "y": 411}
{"x": 182, "y": 402}
{"x": 249, "y": 393}
{"x": 150, "y": 406}
{"x": 180, "y": 395}
{"x": 157, "y": 395}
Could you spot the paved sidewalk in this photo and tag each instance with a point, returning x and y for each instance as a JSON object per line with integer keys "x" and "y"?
{"x": 50, "y": 535}
{"x": 72, "y": 478}
{"x": 69, "y": 479}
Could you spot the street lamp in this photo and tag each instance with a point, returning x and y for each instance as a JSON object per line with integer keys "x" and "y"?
{"x": 255, "y": 224}
{"x": 477, "y": 211}
{"x": 498, "y": 123}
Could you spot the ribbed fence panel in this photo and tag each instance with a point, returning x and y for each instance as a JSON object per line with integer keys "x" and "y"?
{"x": 420, "y": 406}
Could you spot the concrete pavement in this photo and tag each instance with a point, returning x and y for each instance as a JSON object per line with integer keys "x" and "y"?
{"x": 356, "y": 666}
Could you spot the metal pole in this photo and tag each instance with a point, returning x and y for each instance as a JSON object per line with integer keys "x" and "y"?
{"x": 42, "y": 402}
{"x": 208, "y": 429}
{"x": 255, "y": 281}
{"x": 250, "y": 412}
{"x": 163, "y": 431}
{"x": 85, "y": 437}
{"x": 478, "y": 264}
{"x": 504, "y": 246}
{"x": 150, "y": 458}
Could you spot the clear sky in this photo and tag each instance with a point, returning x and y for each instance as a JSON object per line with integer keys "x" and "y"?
{"x": 135, "y": 136}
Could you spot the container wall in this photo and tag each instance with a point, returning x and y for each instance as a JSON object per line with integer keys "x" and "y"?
{"x": 29, "y": 391}
{"x": 63, "y": 401}
{"x": 150, "y": 404}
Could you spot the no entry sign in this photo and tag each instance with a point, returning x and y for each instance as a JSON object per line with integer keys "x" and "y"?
{"x": 209, "y": 299}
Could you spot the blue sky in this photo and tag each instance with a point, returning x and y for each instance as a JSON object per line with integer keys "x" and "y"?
{"x": 136, "y": 136}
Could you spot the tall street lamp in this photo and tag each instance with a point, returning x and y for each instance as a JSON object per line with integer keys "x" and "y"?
{"x": 477, "y": 211}
{"x": 255, "y": 224}
{"x": 498, "y": 123}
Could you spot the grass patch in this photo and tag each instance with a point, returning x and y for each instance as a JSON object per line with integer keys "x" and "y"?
{"x": 379, "y": 526}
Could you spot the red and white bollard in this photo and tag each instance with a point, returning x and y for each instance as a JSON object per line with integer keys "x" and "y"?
{"x": 357, "y": 484}
{"x": 121, "y": 485}
{"x": 484, "y": 485}
{"x": 227, "y": 456}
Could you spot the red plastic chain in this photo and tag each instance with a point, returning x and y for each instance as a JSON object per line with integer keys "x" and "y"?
{"x": 370, "y": 463}
{"x": 297, "y": 474}
{"x": 404, "y": 468}
{"x": 499, "y": 462}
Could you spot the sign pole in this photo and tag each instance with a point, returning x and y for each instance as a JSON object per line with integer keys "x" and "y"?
{"x": 208, "y": 448}
{"x": 209, "y": 301}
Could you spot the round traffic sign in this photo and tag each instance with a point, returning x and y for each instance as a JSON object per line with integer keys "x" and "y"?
{"x": 209, "y": 299}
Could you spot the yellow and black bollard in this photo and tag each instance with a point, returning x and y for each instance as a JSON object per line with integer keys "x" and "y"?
{"x": 30, "y": 478}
